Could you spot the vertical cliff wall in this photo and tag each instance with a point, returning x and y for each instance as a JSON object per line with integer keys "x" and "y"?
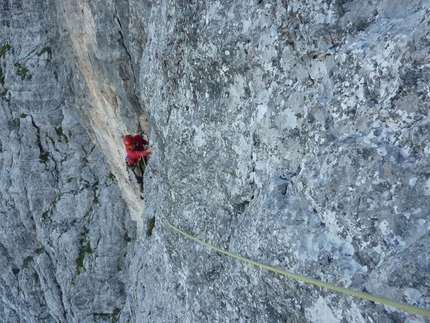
{"x": 294, "y": 133}
{"x": 103, "y": 54}
{"x": 65, "y": 230}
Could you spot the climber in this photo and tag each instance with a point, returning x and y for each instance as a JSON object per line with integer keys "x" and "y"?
{"x": 137, "y": 157}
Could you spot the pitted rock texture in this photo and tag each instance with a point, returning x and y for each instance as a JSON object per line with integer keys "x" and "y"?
{"x": 65, "y": 231}
{"x": 293, "y": 133}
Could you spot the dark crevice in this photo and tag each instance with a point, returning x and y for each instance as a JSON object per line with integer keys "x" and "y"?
{"x": 122, "y": 42}
{"x": 43, "y": 154}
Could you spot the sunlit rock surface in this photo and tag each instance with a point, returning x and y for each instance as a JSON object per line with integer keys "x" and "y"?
{"x": 293, "y": 133}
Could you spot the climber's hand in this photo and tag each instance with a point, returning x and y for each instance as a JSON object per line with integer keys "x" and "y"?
{"x": 149, "y": 150}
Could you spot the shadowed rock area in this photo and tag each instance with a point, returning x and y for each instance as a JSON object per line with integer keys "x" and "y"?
{"x": 295, "y": 133}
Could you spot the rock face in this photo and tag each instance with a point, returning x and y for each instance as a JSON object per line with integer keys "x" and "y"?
{"x": 293, "y": 133}
{"x": 65, "y": 231}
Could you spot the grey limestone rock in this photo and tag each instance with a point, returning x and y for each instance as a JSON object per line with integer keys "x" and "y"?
{"x": 294, "y": 133}
{"x": 65, "y": 230}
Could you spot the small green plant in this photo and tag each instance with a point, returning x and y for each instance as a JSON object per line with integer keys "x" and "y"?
{"x": 151, "y": 225}
{"x": 27, "y": 262}
{"x": 80, "y": 260}
{"x": 44, "y": 157}
{"x": 16, "y": 122}
{"x": 40, "y": 250}
{"x": 23, "y": 115}
{"x": 3, "y": 93}
{"x": 85, "y": 232}
{"x": 84, "y": 250}
{"x": 4, "y": 50}
{"x": 114, "y": 317}
{"x": 60, "y": 133}
{"x": 22, "y": 71}
{"x": 289, "y": 43}
{"x": 45, "y": 216}
{"x": 45, "y": 50}
{"x": 112, "y": 177}
{"x": 126, "y": 237}
{"x": 1, "y": 76}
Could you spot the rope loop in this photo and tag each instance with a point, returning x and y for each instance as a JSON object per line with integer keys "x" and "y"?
{"x": 316, "y": 282}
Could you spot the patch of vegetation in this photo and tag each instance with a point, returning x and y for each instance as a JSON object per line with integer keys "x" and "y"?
{"x": 80, "y": 260}
{"x": 289, "y": 43}
{"x": 45, "y": 50}
{"x": 4, "y": 50}
{"x": 40, "y": 250}
{"x": 44, "y": 157}
{"x": 112, "y": 177}
{"x": 126, "y": 237}
{"x": 16, "y": 122}
{"x": 61, "y": 134}
{"x": 23, "y": 115}
{"x": 3, "y": 93}
{"x": 85, "y": 249}
{"x": 85, "y": 232}
{"x": 45, "y": 216}
{"x": 114, "y": 316}
{"x": 151, "y": 225}
{"x": 27, "y": 262}
{"x": 22, "y": 71}
{"x": 85, "y": 186}
{"x": 1, "y": 76}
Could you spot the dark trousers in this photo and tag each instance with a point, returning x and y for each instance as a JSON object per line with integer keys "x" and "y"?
{"x": 138, "y": 170}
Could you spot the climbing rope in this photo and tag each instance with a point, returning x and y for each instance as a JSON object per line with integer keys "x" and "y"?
{"x": 343, "y": 290}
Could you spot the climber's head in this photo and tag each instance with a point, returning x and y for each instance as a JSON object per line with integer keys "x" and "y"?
{"x": 128, "y": 141}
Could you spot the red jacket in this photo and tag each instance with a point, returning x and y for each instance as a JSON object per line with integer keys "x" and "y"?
{"x": 133, "y": 155}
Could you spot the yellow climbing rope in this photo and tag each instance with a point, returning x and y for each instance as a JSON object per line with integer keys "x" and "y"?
{"x": 347, "y": 291}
